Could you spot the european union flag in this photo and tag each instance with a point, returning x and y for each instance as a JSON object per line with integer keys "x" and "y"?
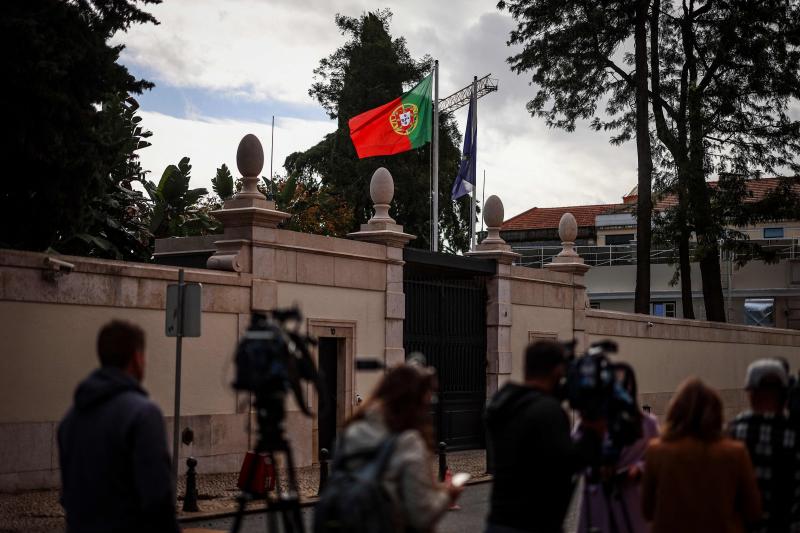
{"x": 465, "y": 181}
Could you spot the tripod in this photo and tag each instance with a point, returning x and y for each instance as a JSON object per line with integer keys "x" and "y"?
{"x": 270, "y": 412}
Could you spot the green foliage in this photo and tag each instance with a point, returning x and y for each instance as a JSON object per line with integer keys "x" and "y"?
{"x": 570, "y": 48}
{"x": 61, "y": 80}
{"x": 111, "y": 16}
{"x": 313, "y": 206}
{"x": 118, "y": 228}
{"x": 370, "y": 69}
{"x": 222, "y": 183}
{"x": 177, "y": 211}
{"x": 723, "y": 78}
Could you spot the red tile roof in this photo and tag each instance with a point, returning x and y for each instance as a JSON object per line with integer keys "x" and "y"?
{"x": 548, "y": 217}
{"x": 758, "y": 189}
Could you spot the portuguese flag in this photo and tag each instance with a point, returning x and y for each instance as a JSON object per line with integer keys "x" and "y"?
{"x": 398, "y": 126}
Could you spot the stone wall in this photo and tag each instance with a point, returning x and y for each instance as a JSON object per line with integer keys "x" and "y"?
{"x": 49, "y": 330}
{"x": 665, "y": 351}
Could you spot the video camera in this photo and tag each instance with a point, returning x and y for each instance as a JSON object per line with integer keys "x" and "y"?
{"x": 272, "y": 359}
{"x": 598, "y": 389}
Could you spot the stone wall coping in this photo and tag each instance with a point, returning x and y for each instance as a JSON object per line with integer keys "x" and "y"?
{"x": 175, "y": 245}
{"x": 331, "y": 253}
{"x": 617, "y": 323}
{"x": 90, "y": 265}
{"x": 532, "y": 275}
{"x": 540, "y": 274}
{"x": 324, "y": 243}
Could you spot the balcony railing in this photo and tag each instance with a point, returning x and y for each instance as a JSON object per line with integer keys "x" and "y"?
{"x": 625, "y": 254}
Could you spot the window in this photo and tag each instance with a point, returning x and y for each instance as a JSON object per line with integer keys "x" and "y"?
{"x": 594, "y": 305}
{"x": 773, "y": 233}
{"x": 759, "y": 312}
{"x": 666, "y": 309}
{"x": 625, "y": 238}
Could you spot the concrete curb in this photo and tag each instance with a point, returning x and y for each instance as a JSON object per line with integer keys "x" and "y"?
{"x": 260, "y": 507}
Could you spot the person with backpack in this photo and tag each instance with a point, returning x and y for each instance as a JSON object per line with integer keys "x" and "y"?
{"x": 382, "y": 478}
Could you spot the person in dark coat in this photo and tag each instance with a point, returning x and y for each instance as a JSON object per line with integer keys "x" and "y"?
{"x": 115, "y": 467}
{"x": 535, "y": 459}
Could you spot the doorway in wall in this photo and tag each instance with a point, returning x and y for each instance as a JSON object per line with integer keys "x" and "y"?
{"x": 334, "y": 359}
{"x": 328, "y": 369}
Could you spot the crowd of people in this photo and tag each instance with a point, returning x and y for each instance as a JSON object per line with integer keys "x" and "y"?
{"x": 690, "y": 473}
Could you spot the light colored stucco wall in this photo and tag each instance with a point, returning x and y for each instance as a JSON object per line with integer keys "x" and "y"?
{"x": 57, "y": 344}
{"x": 49, "y": 331}
{"x": 538, "y": 321}
{"x": 364, "y": 307}
{"x": 664, "y": 352}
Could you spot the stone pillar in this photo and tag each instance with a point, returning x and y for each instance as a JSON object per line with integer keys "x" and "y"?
{"x": 498, "y": 304}
{"x": 248, "y": 216}
{"x": 570, "y": 262}
{"x": 383, "y": 229}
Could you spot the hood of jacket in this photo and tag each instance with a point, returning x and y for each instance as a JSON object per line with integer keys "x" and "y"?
{"x": 102, "y": 385}
{"x": 507, "y": 403}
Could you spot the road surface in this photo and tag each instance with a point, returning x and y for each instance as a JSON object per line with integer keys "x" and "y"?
{"x": 470, "y": 518}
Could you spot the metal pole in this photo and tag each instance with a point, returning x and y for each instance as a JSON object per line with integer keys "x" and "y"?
{"x": 474, "y": 163}
{"x": 436, "y": 155}
{"x": 430, "y": 196}
{"x": 177, "y": 413}
{"x": 271, "y": 147}
{"x": 483, "y": 196}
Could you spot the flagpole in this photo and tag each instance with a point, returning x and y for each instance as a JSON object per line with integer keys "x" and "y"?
{"x": 435, "y": 178}
{"x": 271, "y": 147}
{"x": 474, "y": 163}
{"x": 483, "y": 196}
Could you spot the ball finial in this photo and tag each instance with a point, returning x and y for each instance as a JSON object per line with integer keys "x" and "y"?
{"x": 250, "y": 156}
{"x": 567, "y": 228}
{"x": 493, "y": 212}
{"x": 381, "y": 187}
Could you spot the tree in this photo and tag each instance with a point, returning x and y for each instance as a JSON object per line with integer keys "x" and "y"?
{"x": 314, "y": 208}
{"x": 177, "y": 211}
{"x": 57, "y": 81}
{"x": 222, "y": 183}
{"x": 370, "y": 69}
{"x": 118, "y": 227}
{"x": 723, "y": 76}
{"x": 572, "y": 48}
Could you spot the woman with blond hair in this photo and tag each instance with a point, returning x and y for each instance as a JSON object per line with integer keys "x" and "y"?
{"x": 695, "y": 479}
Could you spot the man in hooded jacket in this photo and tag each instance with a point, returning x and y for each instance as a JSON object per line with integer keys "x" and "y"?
{"x": 535, "y": 458}
{"x": 115, "y": 467}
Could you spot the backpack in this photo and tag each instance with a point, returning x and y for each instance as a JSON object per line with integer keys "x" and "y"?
{"x": 354, "y": 500}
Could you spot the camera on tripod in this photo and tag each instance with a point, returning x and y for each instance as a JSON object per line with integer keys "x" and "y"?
{"x": 599, "y": 389}
{"x": 273, "y": 359}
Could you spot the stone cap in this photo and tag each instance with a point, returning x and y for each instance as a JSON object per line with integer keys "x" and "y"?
{"x": 568, "y": 259}
{"x": 382, "y": 228}
{"x": 493, "y": 246}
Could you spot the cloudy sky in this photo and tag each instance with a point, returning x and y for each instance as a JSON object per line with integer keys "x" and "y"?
{"x": 224, "y": 68}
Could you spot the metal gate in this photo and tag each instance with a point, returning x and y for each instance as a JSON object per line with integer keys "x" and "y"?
{"x": 446, "y": 321}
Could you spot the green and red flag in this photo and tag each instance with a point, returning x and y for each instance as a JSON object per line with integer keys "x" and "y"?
{"x": 398, "y": 126}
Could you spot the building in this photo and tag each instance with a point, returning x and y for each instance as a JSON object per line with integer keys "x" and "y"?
{"x": 368, "y": 296}
{"x": 756, "y": 294}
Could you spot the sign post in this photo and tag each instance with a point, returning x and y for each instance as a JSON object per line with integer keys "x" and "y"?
{"x": 184, "y": 306}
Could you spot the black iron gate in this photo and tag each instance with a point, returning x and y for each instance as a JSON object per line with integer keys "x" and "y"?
{"x": 446, "y": 321}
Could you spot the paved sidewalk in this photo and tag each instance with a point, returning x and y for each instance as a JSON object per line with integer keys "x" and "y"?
{"x": 40, "y": 512}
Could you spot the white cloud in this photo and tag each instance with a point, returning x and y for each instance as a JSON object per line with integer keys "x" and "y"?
{"x": 209, "y": 143}
{"x": 267, "y": 50}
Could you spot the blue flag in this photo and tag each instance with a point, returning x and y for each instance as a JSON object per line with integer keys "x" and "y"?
{"x": 465, "y": 181}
